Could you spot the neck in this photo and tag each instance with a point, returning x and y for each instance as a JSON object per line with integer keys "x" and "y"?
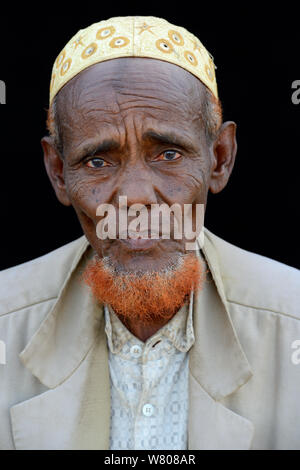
{"x": 142, "y": 331}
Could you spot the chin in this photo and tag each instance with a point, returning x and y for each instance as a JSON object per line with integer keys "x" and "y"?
{"x": 143, "y": 255}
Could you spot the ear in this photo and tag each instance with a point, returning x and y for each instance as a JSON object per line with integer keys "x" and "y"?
{"x": 55, "y": 169}
{"x": 224, "y": 152}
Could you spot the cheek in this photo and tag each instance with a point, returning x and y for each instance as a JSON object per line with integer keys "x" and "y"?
{"x": 85, "y": 193}
{"x": 191, "y": 186}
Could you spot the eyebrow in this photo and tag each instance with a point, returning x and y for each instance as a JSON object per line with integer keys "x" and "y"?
{"x": 168, "y": 138}
{"x": 108, "y": 145}
{"x": 92, "y": 149}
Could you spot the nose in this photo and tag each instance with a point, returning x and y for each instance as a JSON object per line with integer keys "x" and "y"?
{"x": 137, "y": 185}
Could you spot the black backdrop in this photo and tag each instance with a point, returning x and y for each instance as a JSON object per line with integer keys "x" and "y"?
{"x": 257, "y": 60}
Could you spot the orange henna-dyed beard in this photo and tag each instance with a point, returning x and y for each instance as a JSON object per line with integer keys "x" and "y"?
{"x": 145, "y": 297}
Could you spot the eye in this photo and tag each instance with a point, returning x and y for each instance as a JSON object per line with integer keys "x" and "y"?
{"x": 96, "y": 163}
{"x": 168, "y": 156}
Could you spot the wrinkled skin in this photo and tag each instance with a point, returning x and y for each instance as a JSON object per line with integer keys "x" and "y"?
{"x": 117, "y": 102}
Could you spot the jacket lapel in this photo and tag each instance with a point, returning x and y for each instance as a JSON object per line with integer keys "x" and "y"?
{"x": 69, "y": 355}
{"x": 218, "y": 367}
{"x": 74, "y": 415}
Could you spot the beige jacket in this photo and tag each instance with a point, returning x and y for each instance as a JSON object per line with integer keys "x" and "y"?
{"x": 244, "y": 387}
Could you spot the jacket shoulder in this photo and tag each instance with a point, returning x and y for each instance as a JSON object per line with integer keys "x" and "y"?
{"x": 257, "y": 281}
{"x": 37, "y": 280}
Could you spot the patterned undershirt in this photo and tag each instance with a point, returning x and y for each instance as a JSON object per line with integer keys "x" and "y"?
{"x": 149, "y": 384}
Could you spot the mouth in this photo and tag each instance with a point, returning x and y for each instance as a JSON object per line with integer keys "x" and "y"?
{"x": 139, "y": 241}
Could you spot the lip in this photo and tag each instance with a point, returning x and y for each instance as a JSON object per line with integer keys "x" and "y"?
{"x": 140, "y": 244}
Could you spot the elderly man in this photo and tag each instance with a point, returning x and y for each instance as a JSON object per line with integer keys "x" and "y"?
{"x": 140, "y": 342}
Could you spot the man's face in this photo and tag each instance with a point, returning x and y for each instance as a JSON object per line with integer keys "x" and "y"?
{"x": 133, "y": 127}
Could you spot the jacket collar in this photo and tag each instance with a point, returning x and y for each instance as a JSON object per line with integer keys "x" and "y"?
{"x": 69, "y": 355}
{"x": 217, "y": 359}
{"x": 69, "y": 330}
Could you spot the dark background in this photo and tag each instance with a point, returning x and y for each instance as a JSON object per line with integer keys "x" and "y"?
{"x": 257, "y": 58}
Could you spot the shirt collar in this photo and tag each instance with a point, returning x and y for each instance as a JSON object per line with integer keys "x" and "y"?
{"x": 179, "y": 330}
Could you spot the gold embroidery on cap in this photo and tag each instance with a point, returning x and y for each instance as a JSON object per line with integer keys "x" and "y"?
{"x": 60, "y": 58}
{"x": 212, "y": 68}
{"x": 190, "y": 58}
{"x": 197, "y": 46}
{"x": 164, "y": 46}
{"x": 78, "y": 42}
{"x": 209, "y": 72}
{"x": 65, "y": 66}
{"x": 176, "y": 37}
{"x": 104, "y": 33}
{"x": 145, "y": 27}
{"x": 120, "y": 41}
{"x": 89, "y": 50}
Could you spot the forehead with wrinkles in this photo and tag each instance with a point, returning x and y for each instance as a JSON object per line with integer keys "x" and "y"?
{"x": 107, "y": 93}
